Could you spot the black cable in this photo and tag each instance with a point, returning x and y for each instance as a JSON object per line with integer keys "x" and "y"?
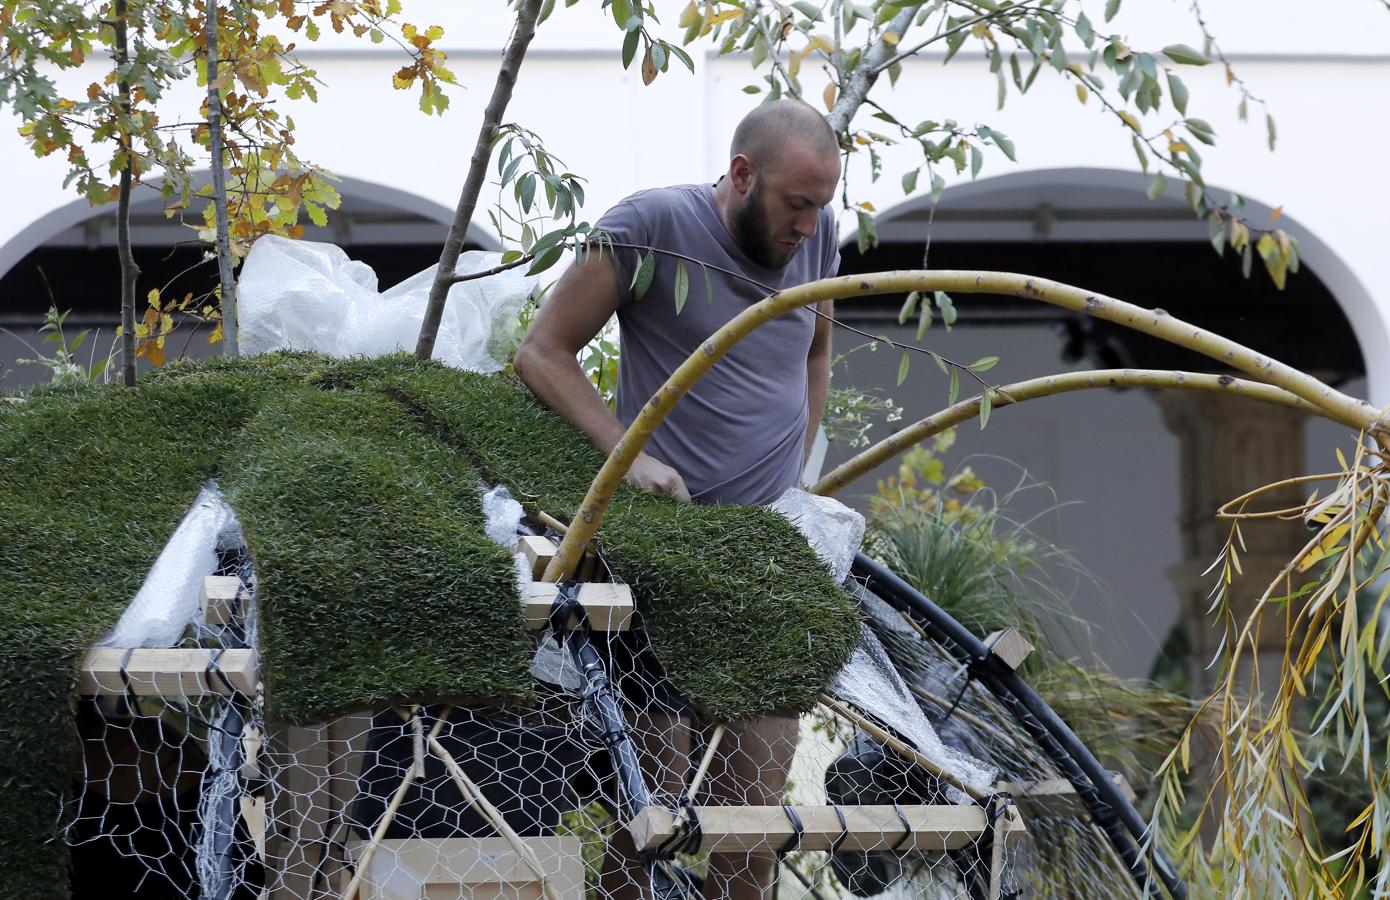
{"x": 1121, "y": 823}
{"x": 798, "y": 830}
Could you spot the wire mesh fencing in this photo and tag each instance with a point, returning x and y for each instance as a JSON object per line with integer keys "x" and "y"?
{"x": 910, "y": 779}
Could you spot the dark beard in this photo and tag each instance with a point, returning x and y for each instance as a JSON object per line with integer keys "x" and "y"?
{"x": 751, "y": 232}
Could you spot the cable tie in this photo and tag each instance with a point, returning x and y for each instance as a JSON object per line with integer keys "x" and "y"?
{"x": 798, "y": 830}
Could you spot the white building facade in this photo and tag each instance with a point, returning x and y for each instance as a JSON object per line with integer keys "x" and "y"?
{"x": 1324, "y": 70}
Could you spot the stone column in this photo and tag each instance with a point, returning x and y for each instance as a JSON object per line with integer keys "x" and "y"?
{"x": 1227, "y": 447}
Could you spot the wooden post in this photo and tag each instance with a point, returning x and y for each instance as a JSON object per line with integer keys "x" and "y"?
{"x": 1010, "y": 646}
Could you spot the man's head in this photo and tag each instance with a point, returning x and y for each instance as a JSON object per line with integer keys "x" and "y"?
{"x": 785, "y": 165}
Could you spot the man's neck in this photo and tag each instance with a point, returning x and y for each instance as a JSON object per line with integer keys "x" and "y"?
{"x": 721, "y": 203}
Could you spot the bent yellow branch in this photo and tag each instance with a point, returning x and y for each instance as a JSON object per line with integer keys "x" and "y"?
{"x": 1154, "y": 322}
{"x": 1051, "y": 385}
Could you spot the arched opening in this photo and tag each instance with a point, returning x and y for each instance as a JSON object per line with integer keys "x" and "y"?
{"x": 67, "y": 260}
{"x": 1139, "y": 478}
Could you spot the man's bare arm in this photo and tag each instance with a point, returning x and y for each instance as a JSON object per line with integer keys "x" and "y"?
{"x": 577, "y": 309}
{"x": 818, "y": 375}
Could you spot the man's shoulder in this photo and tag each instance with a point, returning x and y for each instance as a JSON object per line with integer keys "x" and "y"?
{"x": 658, "y": 201}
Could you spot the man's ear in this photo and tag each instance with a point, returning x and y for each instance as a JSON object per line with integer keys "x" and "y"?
{"x": 741, "y": 174}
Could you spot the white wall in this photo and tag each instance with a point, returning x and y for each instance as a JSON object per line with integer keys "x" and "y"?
{"x": 1324, "y": 68}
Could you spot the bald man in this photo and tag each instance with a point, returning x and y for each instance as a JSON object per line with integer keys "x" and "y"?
{"x": 742, "y": 433}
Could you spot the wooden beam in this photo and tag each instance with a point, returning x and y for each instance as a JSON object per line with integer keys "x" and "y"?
{"x": 469, "y": 869}
{"x": 608, "y": 605}
{"x": 538, "y": 552}
{"x": 166, "y": 673}
{"x": 1010, "y": 646}
{"x": 221, "y": 596}
{"x": 1055, "y": 797}
{"x": 737, "y": 829}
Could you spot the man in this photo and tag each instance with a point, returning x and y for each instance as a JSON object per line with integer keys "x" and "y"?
{"x": 742, "y": 433}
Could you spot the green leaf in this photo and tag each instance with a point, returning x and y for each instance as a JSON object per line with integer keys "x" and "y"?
{"x": 1269, "y": 128}
{"x": 986, "y": 403}
{"x": 642, "y": 278}
{"x": 984, "y": 363}
{"x": 977, "y": 159}
{"x": 511, "y": 256}
{"x": 1157, "y": 186}
{"x": 910, "y": 181}
{"x": 682, "y": 285}
{"x": 1000, "y": 141}
{"x": 1184, "y": 55}
{"x": 1111, "y": 7}
{"x": 1139, "y": 152}
{"x": 947, "y": 307}
{"x": 1178, "y": 91}
{"x": 954, "y": 393}
{"x": 909, "y": 307}
{"x": 528, "y": 191}
{"x": 545, "y": 261}
{"x": 867, "y": 237}
{"x": 1084, "y": 29}
{"x": 940, "y": 363}
{"x": 752, "y": 89}
{"x": 630, "y": 47}
{"x": 924, "y": 320}
{"x": 894, "y": 71}
{"x": 622, "y": 11}
{"x": 809, "y": 10}
{"x": 709, "y": 285}
{"x": 1216, "y": 228}
{"x": 902, "y": 368}
{"x": 1201, "y": 129}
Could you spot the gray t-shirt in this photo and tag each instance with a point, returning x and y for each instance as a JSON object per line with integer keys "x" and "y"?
{"x": 738, "y": 435}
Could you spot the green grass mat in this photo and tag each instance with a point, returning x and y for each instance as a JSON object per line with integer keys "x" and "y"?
{"x": 356, "y": 484}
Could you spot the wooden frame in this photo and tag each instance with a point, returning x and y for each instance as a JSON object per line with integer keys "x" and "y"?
{"x": 469, "y": 869}
{"x": 739, "y": 829}
{"x": 166, "y": 673}
{"x": 607, "y": 605}
{"x": 221, "y": 596}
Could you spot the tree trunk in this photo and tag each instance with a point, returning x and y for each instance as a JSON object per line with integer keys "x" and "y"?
{"x": 129, "y": 270}
{"x": 482, "y": 152}
{"x": 219, "y": 192}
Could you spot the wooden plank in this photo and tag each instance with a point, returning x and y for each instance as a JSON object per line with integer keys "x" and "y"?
{"x": 734, "y": 829}
{"x": 608, "y": 606}
{"x": 166, "y": 673}
{"x": 1010, "y": 646}
{"x": 222, "y": 596}
{"x": 1056, "y": 797}
{"x": 539, "y": 551}
{"x": 1008, "y": 829}
{"x": 469, "y": 869}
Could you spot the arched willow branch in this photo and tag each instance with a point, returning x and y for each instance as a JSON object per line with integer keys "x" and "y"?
{"x": 1153, "y": 322}
{"x": 1051, "y": 385}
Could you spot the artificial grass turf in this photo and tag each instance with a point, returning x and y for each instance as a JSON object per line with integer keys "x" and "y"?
{"x": 356, "y": 485}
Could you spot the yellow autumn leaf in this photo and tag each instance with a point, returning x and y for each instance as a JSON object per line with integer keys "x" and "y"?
{"x": 1178, "y": 147}
{"x": 1082, "y": 93}
{"x": 819, "y": 42}
{"x": 1128, "y": 119}
{"x": 727, "y": 15}
{"x": 216, "y": 336}
{"x": 866, "y": 205}
{"x": 1325, "y": 546}
{"x": 828, "y": 95}
{"x": 890, "y": 38}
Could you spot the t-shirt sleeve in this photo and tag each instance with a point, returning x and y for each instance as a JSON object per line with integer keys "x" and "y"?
{"x": 832, "y": 245}
{"x": 624, "y": 225}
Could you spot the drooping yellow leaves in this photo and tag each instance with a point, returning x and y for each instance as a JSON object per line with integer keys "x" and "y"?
{"x": 1129, "y": 119}
{"x": 829, "y": 95}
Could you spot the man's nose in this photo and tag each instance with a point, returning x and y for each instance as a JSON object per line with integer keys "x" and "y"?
{"x": 805, "y": 224}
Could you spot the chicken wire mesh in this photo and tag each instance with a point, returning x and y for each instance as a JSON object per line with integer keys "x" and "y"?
{"x": 911, "y": 780}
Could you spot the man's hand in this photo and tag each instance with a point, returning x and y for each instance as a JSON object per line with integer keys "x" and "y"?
{"x": 578, "y": 307}
{"x": 651, "y": 474}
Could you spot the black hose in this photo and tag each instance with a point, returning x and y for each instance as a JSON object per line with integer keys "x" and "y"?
{"x": 1110, "y": 808}
{"x": 568, "y": 623}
